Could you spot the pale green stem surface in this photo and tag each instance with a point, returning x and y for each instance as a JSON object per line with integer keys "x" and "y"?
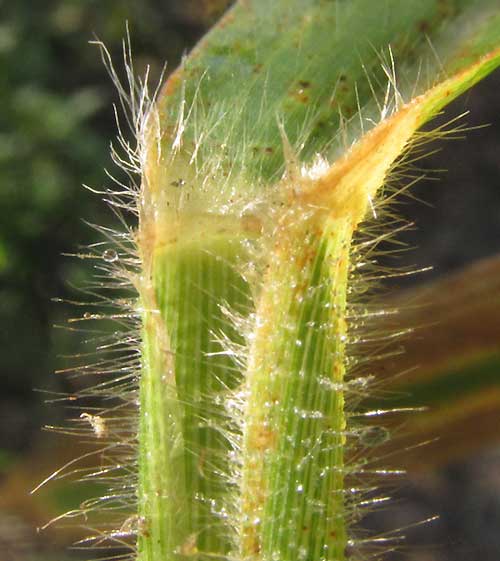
{"x": 293, "y": 472}
{"x": 185, "y": 377}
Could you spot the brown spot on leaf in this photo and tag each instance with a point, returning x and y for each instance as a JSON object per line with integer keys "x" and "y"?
{"x": 301, "y": 97}
{"x": 172, "y": 83}
{"x": 424, "y": 26}
{"x": 251, "y": 223}
{"x": 263, "y": 438}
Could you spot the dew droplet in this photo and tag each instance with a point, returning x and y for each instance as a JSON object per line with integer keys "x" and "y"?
{"x": 374, "y": 436}
{"x": 110, "y": 256}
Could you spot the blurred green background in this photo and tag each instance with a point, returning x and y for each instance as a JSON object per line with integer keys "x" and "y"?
{"x": 56, "y": 123}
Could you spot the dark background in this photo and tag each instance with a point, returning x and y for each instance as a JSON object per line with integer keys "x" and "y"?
{"x": 55, "y": 126}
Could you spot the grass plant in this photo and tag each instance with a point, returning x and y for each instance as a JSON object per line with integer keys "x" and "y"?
{"x": 263, "y": 173}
